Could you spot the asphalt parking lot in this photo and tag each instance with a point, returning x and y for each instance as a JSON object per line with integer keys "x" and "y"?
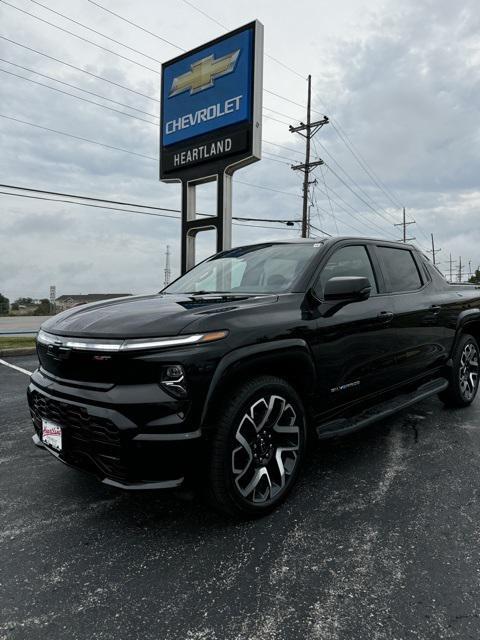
{"x": 379, "y": 541}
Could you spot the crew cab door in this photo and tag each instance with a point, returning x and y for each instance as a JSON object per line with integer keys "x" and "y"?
{"x": 420, "y": 343}
{"x": 352, "y": 343}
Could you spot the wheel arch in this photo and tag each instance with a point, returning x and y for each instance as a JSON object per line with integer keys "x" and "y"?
{"x": 468, "y": 322}
{"x": 288, "y": 359}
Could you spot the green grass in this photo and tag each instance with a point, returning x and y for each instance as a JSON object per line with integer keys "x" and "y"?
{"x": 13, "y": 342}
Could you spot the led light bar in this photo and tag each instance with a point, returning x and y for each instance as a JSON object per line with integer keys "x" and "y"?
{"x": 127, "y": 345}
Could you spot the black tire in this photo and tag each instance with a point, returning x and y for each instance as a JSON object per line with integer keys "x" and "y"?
{"x": 464, "y": 379}
{"x": 249, "y": 448}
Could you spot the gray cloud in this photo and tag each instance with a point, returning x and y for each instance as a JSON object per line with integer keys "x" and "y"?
{"x": 401, "y": 78}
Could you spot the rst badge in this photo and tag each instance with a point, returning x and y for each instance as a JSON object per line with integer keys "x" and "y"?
{"x": 211, "y": 105}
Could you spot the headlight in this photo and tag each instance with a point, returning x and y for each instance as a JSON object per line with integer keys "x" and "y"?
{"x": 153, "y": 343}
{"x": 95, "y": 344}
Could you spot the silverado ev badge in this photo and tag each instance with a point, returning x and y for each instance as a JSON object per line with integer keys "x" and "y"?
{"x": 203, "y": 73}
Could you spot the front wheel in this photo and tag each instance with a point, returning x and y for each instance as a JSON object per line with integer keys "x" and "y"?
{"x": 464, "y": 375}
{"x": 257, "y": 448}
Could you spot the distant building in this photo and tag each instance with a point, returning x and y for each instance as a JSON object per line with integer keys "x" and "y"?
{"x": 74, "y": 300}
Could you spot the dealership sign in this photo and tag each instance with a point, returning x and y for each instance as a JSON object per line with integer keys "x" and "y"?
{"x": 211, "y": 106}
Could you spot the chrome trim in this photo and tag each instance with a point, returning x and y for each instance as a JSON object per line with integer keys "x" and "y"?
{"x": 91, "y": 344}
{"x": 188, "y": 435}
{"x": 37, "y": 442}
{"x": 161, "y": 342}
{"x": 164, "y": 484}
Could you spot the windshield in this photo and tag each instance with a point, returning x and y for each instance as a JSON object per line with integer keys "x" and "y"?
{"x": 267, "y": 268}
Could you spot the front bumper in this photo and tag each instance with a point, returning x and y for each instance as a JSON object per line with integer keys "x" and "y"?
{"x": 101, "y": 439}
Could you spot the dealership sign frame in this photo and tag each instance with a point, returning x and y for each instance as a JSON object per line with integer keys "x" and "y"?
{"x": 211, "y": 125}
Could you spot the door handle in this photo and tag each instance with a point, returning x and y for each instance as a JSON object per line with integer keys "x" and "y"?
{"x": 435, "y": 308}
{"x": 385, "y": 316}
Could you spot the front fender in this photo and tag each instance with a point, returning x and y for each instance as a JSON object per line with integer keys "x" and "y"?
{"x": 265, "y": 353}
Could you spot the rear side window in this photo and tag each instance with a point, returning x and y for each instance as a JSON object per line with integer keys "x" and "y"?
{"x": 401, "y": 269}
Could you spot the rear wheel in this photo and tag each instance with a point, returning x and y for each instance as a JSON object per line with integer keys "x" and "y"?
{"x": 257, "y": 448}
{"x": 464, "y": 376}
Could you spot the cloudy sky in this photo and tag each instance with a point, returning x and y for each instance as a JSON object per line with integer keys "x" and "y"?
{"x": 399, "y": 79}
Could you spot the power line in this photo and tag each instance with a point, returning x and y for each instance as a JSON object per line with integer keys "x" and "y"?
{"x": 155, "y": 35}
{"x": 120, "y": 210}
{"x": 75, "y": 35}
{"x": 353, "y": 212}
{"x": 73, "y": 86}
{"x": 107, "y": 146}
{"x": 352, "y": 179}
{"x": 99, "y": 33}
{"x": 281, "y": 146}
{"x": 344, "y": 136}
{"x": 356, "y": 194}
{"x": 328, "y": 196}
{"x": 363, "y": 163}
{"x": 72, "y": 95}
{"x": 71, "y": 135}
{"x": 128, "y": 204}
{"x": 91, "y": 93}
{"x": 72, "y": 66}
{"x": 267, "y": 55}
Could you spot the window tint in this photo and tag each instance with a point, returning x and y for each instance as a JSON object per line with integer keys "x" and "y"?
{"x": 400, "y": 268}
{"x": 349, "y": 261}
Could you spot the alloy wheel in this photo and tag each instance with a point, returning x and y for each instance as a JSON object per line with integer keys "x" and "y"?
{"x": 468, "y": 376}
{"x": 267, "y": 451}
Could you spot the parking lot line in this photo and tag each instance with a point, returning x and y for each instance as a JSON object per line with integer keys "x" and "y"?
{"x": 13, "y": 366}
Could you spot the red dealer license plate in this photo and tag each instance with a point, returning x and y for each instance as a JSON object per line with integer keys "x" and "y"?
{"x": 52, "y": 435}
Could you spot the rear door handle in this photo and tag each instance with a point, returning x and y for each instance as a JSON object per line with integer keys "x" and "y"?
{"x": 385, "y": 316}
{"x": 435, "y": 308}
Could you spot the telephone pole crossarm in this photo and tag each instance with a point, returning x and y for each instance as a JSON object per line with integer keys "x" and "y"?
{"x": 313, "y": 126}
{"x": 305, "y": 167}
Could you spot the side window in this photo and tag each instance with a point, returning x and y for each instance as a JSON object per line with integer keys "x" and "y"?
{"x": 349, "y": 261}
{"x": 401, "y": 269}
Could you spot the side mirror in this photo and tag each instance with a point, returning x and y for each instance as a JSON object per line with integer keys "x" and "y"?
{"x": 347, "y": 289}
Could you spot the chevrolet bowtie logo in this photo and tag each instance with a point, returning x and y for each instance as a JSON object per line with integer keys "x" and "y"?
{"x": 203, "y": 72}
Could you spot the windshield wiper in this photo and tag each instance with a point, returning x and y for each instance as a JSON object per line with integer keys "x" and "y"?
{"x": 203, "y": 292}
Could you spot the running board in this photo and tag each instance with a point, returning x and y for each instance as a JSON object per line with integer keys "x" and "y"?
{"x": 383, "y": 410}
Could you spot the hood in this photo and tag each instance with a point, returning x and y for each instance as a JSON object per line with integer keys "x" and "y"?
{"x": 146, "y": 316}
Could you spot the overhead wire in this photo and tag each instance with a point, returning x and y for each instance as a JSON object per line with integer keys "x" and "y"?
{"x": 122, "y": 210}
{"x": 72, "y": 66}
{"x": 99, "y": 33}
{"x": 77, "y": 88}
{"x": 72, "y": 95}
{"x": 75, "y": 35}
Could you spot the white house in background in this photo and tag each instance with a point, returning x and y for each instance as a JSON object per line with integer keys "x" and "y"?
{"x": 74, "y": 300}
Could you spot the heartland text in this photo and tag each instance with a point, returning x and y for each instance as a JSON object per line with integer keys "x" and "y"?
{"x": 202, "y": 152}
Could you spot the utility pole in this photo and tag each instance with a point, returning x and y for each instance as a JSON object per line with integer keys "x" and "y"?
{"x": 307, "y": 130}
{"x": 452, "y": 262}
{"x": 469, "y": 268}
{"x": 460, "y": 269}
{"x": 433, "y": 251}
{"x": 404, "y": 224}
{"x": 167, "y": 266}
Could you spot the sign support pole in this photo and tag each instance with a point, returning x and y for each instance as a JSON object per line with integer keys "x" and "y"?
{"x": 221, "y": 222}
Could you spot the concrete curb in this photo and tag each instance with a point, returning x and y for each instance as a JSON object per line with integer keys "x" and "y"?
{"x": 18, "y": 351}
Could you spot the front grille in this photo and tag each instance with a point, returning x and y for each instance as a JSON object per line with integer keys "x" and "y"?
{"x": 88, "y": 441}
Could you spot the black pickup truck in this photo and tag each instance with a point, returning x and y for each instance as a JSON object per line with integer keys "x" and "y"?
{"x": 224, "y": 377}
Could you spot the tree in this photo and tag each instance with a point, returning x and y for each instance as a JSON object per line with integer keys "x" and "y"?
{"x": 475, "y": 279}
{"x": 4, "y": 305}
{"x": 23, "y": 302}
{"x": 43, "y": 308}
